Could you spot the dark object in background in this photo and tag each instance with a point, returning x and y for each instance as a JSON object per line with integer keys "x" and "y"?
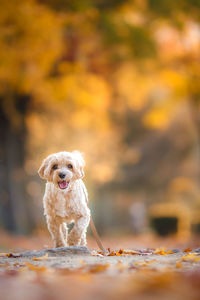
{"x": 196, "y": 228}
{"x": 165, "y": 225}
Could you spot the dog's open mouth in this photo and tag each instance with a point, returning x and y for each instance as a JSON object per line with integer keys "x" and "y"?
{"x": 63, "y": 184}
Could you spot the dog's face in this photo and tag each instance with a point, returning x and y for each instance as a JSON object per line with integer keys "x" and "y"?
{"x": 62, "y": 168}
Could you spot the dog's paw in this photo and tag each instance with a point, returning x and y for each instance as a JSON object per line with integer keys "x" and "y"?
{"x": 59, "y": 244}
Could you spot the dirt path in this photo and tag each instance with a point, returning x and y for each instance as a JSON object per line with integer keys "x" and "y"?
{"x": 74, "y": 257}
{"x": 78, "y": 273}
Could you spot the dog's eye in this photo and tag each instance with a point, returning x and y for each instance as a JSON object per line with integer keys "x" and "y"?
{"x": 70, "y": 166}
{"x": 55, "y": 167}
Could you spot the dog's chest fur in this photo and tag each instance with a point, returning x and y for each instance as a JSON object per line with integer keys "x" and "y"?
{"x": 66, "y": 204}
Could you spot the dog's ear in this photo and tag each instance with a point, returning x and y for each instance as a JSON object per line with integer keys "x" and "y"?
{"x": 80, "y": 164}
{"x": 42, "y": 170}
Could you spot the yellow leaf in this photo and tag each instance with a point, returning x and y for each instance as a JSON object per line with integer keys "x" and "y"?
{"x": 145, "y": 263}
{"x": 140, "y": 263}
{"x": 179, "y": 265}
{"x": 36, "y": 268}
{"x": 112, "y": 253}
{"x": 169, "y": 252}
{"x": 99, "y": 268}
{"x": 190, "y": 257}
{"x": 82, "y": 262}
{"x": 160, "y": 251}
{"x": 151, "y": 261}
{"x": 41, "y": 257}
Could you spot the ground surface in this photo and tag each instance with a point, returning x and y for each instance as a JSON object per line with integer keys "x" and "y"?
{"x": 76, "y": 273}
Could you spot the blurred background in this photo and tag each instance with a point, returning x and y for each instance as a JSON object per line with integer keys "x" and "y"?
{"x": 118, "y": 80}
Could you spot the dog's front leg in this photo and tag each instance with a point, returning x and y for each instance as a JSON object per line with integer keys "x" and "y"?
{"x": 78, "y": 231}
{"x": 64, "y": 230}
{"x": 54, "y": 226}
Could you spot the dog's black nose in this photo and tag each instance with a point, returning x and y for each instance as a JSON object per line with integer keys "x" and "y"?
{"x": 62, "y": 175}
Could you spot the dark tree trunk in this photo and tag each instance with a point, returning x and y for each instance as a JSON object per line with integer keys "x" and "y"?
{"x": 14, "y": 208}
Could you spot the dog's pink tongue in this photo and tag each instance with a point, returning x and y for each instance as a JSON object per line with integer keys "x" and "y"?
{"x": 63, "y": 184}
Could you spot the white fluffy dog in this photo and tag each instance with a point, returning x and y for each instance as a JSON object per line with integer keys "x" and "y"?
{"x": 65, "y": 198}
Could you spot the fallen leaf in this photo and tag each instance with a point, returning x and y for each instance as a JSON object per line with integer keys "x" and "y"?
{"x": 160, "y": 251}
{"x": 14, "y": 255}
{"x": 97, "y": 268}
{"x": 113, "y": 253}
{"x": 187, "y": 250}
{"x": 169, "y": 252}
{"x": 129, "y": 252}
{"x": 145, "y": 263}
{"x": 179, "y": 265}
{"x": 40, "y": 257}
{"x": 95, "y": 253}
{"x": 36, "y": 268}
{"x": 82, "y": 262}
{"x": 190, "y": 257}
{"x": 123, "y": 252}
{"x": 163, "y": 251}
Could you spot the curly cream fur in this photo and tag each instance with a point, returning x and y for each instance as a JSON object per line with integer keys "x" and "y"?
{"x": 65, "y": 205}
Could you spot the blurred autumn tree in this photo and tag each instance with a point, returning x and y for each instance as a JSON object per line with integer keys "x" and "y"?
{"x": 30, "y": 44}
{"x": 103, "y": 76}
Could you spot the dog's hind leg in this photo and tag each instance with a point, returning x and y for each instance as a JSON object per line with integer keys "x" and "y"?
{"x": 83, "y": 241}
{"x": 77, "y": 234}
